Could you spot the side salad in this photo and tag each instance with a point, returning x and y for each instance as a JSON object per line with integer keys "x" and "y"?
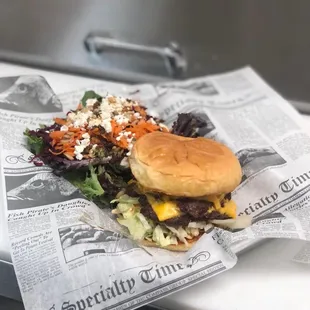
{"x": 91, "y": 145}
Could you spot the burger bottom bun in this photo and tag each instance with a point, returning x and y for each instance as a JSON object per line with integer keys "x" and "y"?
{"x": 181, "y": 247}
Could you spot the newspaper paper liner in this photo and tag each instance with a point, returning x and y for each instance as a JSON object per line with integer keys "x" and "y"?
{"x": 275, "y": 191}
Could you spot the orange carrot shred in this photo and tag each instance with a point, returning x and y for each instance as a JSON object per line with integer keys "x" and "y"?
{"x": 57, "y": 134}
{"x": 60, "y": 121}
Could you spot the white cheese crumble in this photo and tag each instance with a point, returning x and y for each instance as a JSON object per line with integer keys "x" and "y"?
{"x": 151, "y": 120}
{"x": 91, "y": 102}
{"x": 125, "y": 162}
{"x": 94, "y": 122}
{"x": 80, "y": 118}
{"x": 121, "y": 119}
{"x": 106, "y": 124}
{"x": 85, "y": 142}
{"x": 79, "y": 156}
{"x": 64, "y": 128}
{"x": 85, "y": 135}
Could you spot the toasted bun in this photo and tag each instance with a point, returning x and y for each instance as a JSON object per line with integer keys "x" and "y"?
{"x": 181, "y": 247}
{"x": 180, "y": 166}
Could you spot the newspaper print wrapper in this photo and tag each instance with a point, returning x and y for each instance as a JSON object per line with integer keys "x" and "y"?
{"x": 69, "y": 254}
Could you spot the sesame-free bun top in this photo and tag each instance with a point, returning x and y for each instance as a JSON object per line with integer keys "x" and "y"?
{"x": 180, "y": 166}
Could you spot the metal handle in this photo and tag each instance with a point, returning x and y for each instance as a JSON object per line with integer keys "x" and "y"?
{"x": 172, "y": 55}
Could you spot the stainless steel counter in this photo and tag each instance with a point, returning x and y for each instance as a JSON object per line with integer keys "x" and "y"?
{"x": 135, "y": 38}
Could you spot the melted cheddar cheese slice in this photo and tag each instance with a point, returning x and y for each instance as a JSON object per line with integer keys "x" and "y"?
{"x": 167, "y": 209}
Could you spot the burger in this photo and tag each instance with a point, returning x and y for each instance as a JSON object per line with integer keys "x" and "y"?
{"x": 181, "y": 185}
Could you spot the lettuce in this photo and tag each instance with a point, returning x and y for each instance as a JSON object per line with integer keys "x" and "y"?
{"x": 89, "y": 186}
{"x": 131, "y": 217}
{"x": 135, "y": 226}
{"x": 36, "y": 144}
{"x": 160, "y": 238}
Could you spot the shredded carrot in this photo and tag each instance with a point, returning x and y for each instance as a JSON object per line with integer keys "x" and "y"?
{"x": 116, "y": 128}
{"x": 140, "y": 110}
{"x": 69, "y": 156}
{"x": 57, "y": 134}
{"x": 74, "y": 129}
{"x": 143, "y": 128}
{"x": 123, "y": 143}
{"x": 60, "y": 121}
{"x": 56, "y": 153}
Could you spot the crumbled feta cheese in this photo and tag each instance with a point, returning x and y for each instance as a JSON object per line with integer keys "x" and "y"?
{"x": 78, "y": 142}
{"x": 106, "y": 124}
{"x": 79, "y": 149}
{"x": 79, "y": 156}
{"x": 105, "y": 115}
{"x": 125, "y": 162}
{"x": 118, "y": 138}
{"x": 86, "y": 135}
{"x": 64, "y": 128}
{"x": 137, "y": 115}
{"x": 127, "y": 133}
{"x": 85, "y": 142}
{"x": 151, "y": 120}
{"x": 91, "y": 102}
{"x": 94, "y": 122}
{"x": 71, "y": 116}
{"x": 105, "y": 107}
{"x": 121, "y": 119}
{"x": 80, "y": 119}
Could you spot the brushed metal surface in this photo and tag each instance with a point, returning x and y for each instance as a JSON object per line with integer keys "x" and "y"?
{"x": 215, "y": 35}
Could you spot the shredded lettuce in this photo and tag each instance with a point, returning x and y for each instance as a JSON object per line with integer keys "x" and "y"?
{"x": 35, "y": 144}
{"x": 160, "y": 238}
{"x": 126, "y": 199}
{"x": 130, "y": 217}
{"x": 135, "y": 227}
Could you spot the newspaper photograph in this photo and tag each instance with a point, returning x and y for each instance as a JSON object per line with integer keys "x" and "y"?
{"x": 69, "y": 252}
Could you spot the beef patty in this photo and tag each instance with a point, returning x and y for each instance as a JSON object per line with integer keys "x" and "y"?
{"x": 192, "y": 211}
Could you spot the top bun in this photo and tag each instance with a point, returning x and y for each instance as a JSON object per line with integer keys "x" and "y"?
{"x": 180, "y": 166}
